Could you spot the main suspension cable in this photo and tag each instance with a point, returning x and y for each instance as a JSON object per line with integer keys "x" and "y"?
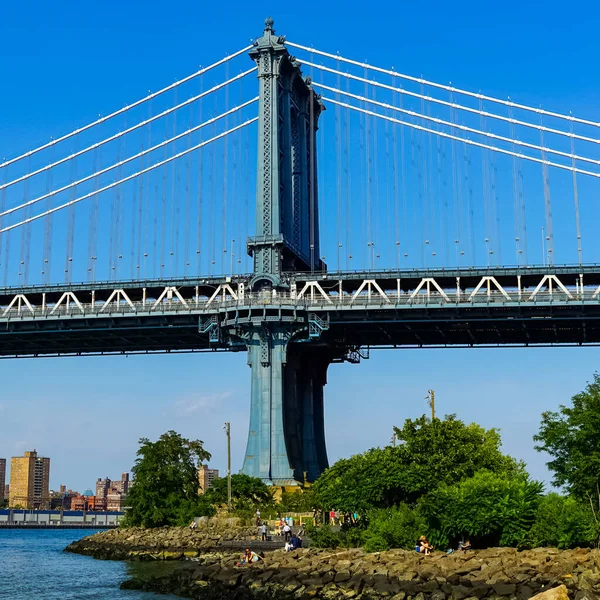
{"x": 128, "y": 107}
{"x": 164, "y": 143}
{"x": 448, "y": 88}
{"x": 454, "y": 105}
{"x": 466, "y": 141}
{"x": 112, "y": 138}
{"x": 481, "y": 132}
{"x": 129, "y": 177}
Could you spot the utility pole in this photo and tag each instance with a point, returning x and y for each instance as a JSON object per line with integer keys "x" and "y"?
{"x": 394, "y": 439}
{"x": 431, "y": 401}
{"x": 227, "y": 429}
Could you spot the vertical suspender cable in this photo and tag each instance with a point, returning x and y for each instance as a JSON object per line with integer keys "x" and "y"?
{"x": 339, "y": 159}
{"x": 576, "y": 201}
{"x": 348, "y": 177}
{"x": 375, "y": 178}
{"x": 149, "y": 208}
{"x": 3, "y": 266}
{"x": 547, "y": 203}
{"x": 321, "y": 207}
{"x": 455, "y": 191}
{"x": 47, "y": 229}
{"x": 225, "y": 167}
{"x": 163, "y": 220}
{"x": 174, "y": 224}
{"x": 313, "y": 183}
{"x": 395, "y": 182}
{"x": 518, "y": 226}
{"x": 200, "y": 194}
{"x": 403, "y": 174}
{"x": 69, "y": 258}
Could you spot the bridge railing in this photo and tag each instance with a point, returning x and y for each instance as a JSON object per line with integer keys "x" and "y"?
{"x": 22, "y": 308}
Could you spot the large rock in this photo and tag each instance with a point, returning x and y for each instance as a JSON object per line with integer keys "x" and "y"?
{"x": 557, "y": 593}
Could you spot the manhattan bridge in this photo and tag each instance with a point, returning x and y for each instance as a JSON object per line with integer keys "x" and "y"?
{"x": 302, "y": 208}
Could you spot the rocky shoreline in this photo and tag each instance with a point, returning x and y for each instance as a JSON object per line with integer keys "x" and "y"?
{"x": 492, "y": 574}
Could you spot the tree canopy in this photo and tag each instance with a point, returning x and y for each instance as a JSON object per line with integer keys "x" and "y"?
{"x": 165, "y": 490}
{"x": 571, "y": 436}
{"x": 429, "y": 453}
{"x": 246, "y": 492}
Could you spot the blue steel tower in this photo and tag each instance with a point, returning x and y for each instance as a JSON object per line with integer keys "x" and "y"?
{"x": 286, "y": 441}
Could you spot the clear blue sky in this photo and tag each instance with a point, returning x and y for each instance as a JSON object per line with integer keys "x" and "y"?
{"x": 63, "y": 63}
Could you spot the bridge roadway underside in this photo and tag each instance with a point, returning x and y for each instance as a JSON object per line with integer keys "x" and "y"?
{"x": 420, "y": 326}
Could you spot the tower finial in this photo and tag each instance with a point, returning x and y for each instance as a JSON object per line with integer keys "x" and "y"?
{"x": 269, "y": 22}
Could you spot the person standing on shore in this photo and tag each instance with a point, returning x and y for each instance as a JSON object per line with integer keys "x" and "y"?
{"x": 263, "y": 532}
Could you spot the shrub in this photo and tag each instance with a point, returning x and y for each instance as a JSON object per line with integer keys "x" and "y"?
{"x": 398, "y": 527}
{"x": 489, "y": 509}
{"x": 323, "y": 537}
{"x": 562, "y": 522}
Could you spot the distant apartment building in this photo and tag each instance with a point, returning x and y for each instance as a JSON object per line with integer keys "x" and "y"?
{"x": 2, "y": 478}
{"x": 29, "y": 481}
{"x": 87, "y": 503}
{"x": 205, "y": 477}
{"x": 6, "y": 491}
{"x": 110, "y": 494}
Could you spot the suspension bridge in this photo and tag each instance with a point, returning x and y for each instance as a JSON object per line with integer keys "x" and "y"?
{"x": 388, "y": 211}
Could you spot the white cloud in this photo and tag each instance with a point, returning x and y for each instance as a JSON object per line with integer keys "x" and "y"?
{"x": 204, "y": 403}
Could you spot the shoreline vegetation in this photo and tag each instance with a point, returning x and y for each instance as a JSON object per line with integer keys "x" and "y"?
{"x": 440, "y": 480}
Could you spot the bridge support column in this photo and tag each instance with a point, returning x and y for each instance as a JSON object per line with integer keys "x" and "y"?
{"x": 286, "y": 441}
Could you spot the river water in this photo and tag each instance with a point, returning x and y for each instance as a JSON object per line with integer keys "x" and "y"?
{"x": 33, "y": 566}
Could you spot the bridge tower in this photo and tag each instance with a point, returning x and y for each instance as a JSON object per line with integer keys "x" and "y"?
{"x": 286, "y": 441}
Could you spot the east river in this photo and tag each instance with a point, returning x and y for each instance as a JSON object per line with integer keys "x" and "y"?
{"x": 33, "y": 566}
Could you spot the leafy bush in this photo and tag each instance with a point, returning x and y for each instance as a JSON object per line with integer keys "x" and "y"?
{"x": 562, "y": 522}
{"x": 398, "y": 527}
{"x": 430, "y": 453}
{"x": 489, "y": 509}
{"x": 323, "y": 537}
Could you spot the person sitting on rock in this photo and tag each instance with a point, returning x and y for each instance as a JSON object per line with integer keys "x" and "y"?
{"x": 464, "y": 546}
{"x": 249, "y": 557}
{"x": 423, "y": 546}
{"x": 193, "y": 525}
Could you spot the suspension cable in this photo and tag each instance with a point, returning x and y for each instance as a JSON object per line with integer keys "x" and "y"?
{"x": 129, "y": 159}
{"x": 130, "y": 177}
{"x": 461, "y": 127}
{"x": 128, "y": 107}
{"x": 112, "y": 138}
{"x": 448, "y": 88}
{"x": 456, "y": 106}
{"x": 466, "y": 141}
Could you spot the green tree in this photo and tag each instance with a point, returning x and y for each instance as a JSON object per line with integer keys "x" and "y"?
{"x": 571, "y": 436}
{"x": 247, "y": 493}
{"x": 489, "y": 509}
{"x": 429, "y": 453}
{"x": 165, "y": 490}
{"x": 562, "y": 522}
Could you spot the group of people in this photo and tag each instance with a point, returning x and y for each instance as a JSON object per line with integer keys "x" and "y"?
{"x": 424, "y": 547}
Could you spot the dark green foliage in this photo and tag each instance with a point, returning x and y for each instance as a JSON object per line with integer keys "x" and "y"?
{"x": 323, "y": 537}
{"x": 562, "y": 522}
{"x": 298, "y": 502}
{"x": 489, "y": 509}
{"x": 247, "y": 493}
{"x": 398, "y": 527}
{"x": 166, "y": 482}
{"x": 571, "y": 437}
{"x": 429, "y": 453}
